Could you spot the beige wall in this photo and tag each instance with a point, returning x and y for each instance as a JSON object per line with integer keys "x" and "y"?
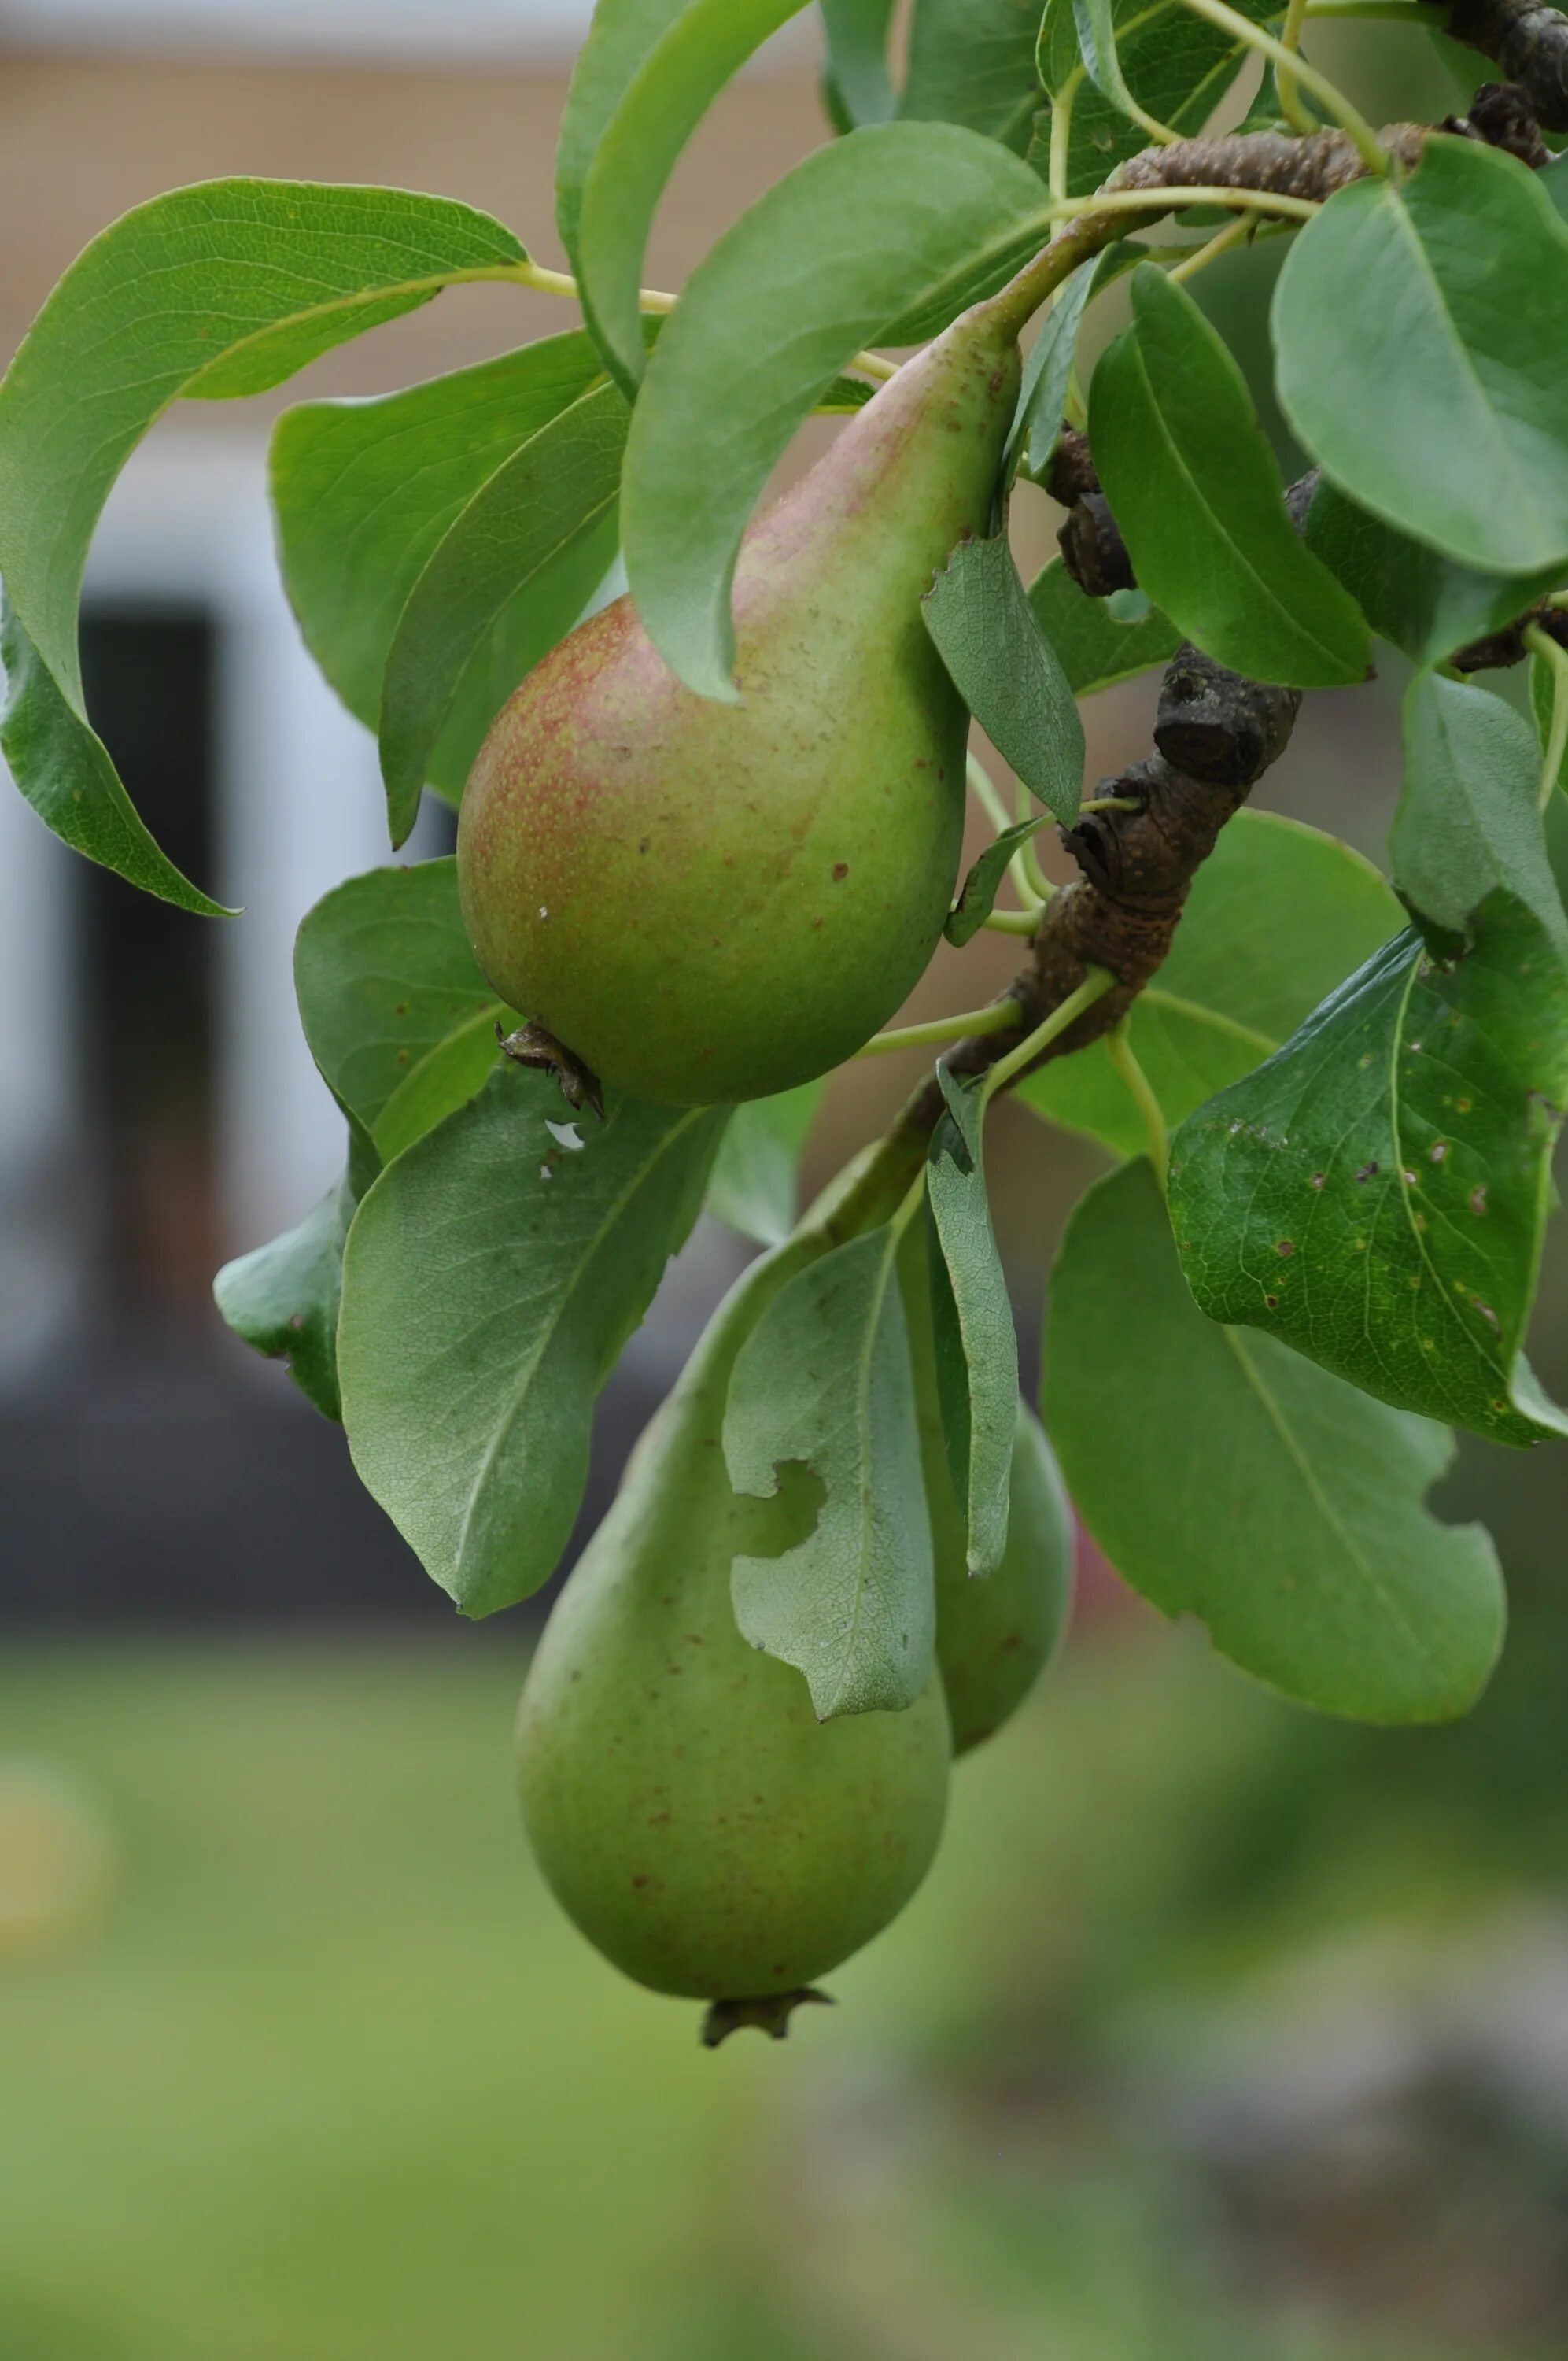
{"x": 83, "y": 138}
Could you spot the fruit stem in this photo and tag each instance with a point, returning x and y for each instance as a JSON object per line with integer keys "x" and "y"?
{"x": 1096, "y": 984}
{"x": 1541, "y": 644}
{"x": 1291, "y": 102}
{"x": 1012, "y": 922}
{"x": 994, "y": 1018}
{"x": 648, "y": 299}
{"x": 1118, "y": 1042}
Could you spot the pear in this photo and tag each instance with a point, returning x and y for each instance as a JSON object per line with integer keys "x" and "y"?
{"x": 709, "y": 902}
{"x": 996, "y": 1633}
{"x": 692, "y": 1816}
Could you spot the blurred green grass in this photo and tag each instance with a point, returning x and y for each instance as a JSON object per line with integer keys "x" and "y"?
{"x": 332, "y": 2079}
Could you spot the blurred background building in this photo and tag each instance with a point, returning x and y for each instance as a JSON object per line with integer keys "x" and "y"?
{"x": 1220, "y": 2033}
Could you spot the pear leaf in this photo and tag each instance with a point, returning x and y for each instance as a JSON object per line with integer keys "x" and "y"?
{"x": 1421, "y": 330}
{"x": 213, "y": 291}
{"x": 695, "y": 54}
{"x": 620, "y": 37}
{"x": 898, "y": 219}
{"x": 971, "y": 1320}
{"x": 1467, "y": 821}
{"x": 489, "y": 1282}
{"x": 1374, "y": 1195}
{"x": 1006, "y": 671}
{"x": 1197, "y": 494}
{"x": 972, "y": 61}
{"x": 1228, "y": 1478}
{"x": 824, "y": 1380}
{"x": 364, "y": 492}
{"x": 399, "y": 1018}
{"x": 282, "y": 1298}
{"x": 1544, "y": 692}
{"x": 1422, "y": 602}
{"x": 526, "y": 528}
{"x": 1279, "y": 915}
{"x": 975, "y": 904}
{"x": 858, "y": 85}
{"x": 1177, "y": 65}
{"x": 753, "y": 1188}
{"x": 1094, "y": 644}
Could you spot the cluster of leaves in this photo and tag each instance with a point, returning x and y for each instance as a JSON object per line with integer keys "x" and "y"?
{"x": 1364, "y": 1079}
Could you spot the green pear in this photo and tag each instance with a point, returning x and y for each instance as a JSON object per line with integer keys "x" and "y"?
{"x": 710, "y": 902}
{"x": 996, "y": 1633}
{"x": 701, "y": 1826}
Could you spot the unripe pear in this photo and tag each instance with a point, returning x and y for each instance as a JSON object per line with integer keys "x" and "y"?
{"x": 710, "y": 902}
{"x": 693, "y": 1817}
{"x": 996, "y": 1633}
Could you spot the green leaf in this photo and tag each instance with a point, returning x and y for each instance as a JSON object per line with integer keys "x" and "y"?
{"x": 1553, "y": 178}
{"x": 493, "y": 1276}
{"x": 1177, "y": 66}
{"x": 971, "y": 1318}
{"x": 1197, "y": 494}
{"x": 363, "y": 492}
{"x": 1094, "y": 22}
{"x": 857, "y": 70}
{"x": 972, "y": 61}
{"x": 525, "y": 528}
{"x": 637, "y": 149}
{"x": 393, "y": 1005}
{"x": 1374, "y": 1195}
{"x": 1420, "y": 602}
{"x": 1036, "y": 431}
{"x": 1279, "y": 915}
{"x": 754, "y": 1186}
{"x": 621, "y": 36}
{"x": 1226, "y": 1478}
{"x": 1006, "y": 671}
{"x": 283, "y": 1298}
{"x": 1421, "y": 327}
{"x": 824, "y": 1380}
{"x": 1094, "y": 647}
{"x": 855, "y": 234}
{"x": 212, "y": 291}
{"x": 1467, "y": 821}
{"x": 974, "y": 904}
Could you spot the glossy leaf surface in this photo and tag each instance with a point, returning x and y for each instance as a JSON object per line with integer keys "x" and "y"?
{"x": 1467, "y": 820}
{"x": 972, "y": 61}
{"x": 1196, "y": 491}
{"x": 282, "y": 1298}
{"x": 1412, "y": 596}
{"x": 1094, "y": 647}
{"x": 1420, "y": 328}
{"x": 1006, "y": 671}
{"x": 1228, "y": 1478}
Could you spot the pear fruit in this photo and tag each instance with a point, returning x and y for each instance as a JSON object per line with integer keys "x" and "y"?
{"x": 996, "y": 1633}
{"x": 710, "y": 902}
{"x": 693, "y": 1816}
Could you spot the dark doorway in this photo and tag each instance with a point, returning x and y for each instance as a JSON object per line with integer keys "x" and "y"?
{"x": 146, "y": 970}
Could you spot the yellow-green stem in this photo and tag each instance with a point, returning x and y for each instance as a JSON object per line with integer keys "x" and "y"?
{"x": 1290, "y": 105}
{"x": 1152, "y": 1115}
{"x": 994, "y": 1018}
{"x": 1334, "y": 100}
{"x": 1542, "y": 644}
{"x": 1096, "y": 984}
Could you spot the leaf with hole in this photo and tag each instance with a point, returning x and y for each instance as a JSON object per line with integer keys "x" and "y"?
{"x": 1006, "y": 671}
{"x": 971, "y": 1320}
{"x": 1196, "y": 491}
{"x": 1226, "y": 1478}
{"x": 1420, "y": 333}
{"x": 222, "y": 289}
{"x": 1279, "y": 915}
{"x": 492, "y": 1278}
{"x": 824, "y": 1381}
{"x": 1375, "y": 1194}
